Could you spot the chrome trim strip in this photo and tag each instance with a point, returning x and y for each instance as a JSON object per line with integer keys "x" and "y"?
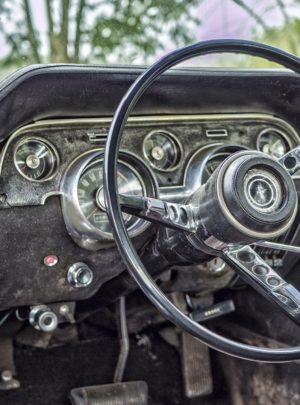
{"x": 278, "y": 246}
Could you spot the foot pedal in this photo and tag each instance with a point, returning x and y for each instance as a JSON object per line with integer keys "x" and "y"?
{"x": 196, "y": 367}
{"x": 128, "y": 393}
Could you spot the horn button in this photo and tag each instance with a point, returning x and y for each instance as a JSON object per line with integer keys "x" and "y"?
{"x": 258, "y": 192}
{"x": 263, "y": 190}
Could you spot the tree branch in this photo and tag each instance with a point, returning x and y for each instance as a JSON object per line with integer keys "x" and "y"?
{"x": 31, "y": 33}
{"x": 78, "y": 31}
{"x": 286, "y": 18}
{"x": 64, "y": 28}
{"x": 252, "y": 14}
{"x": 50, "y": 26}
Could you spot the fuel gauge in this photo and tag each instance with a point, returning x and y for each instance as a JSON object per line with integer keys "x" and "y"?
{"x": 273, "y": 142}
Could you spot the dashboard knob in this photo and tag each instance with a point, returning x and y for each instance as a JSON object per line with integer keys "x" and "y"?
{"x": 79, "y": 275}
{"x": 43, "y": 318}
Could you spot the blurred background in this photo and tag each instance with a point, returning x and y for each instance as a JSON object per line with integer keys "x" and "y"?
{"x": 138, "y": 31}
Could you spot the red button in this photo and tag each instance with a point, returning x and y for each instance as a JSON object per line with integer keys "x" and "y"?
{"x": 50, "y": 260}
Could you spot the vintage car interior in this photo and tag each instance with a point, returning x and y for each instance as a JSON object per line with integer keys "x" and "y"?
{"x": 150, "y": 232}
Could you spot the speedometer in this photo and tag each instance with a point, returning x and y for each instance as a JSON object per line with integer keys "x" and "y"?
{"x": 91, "y": 195}
{"x": 83, "y": 201}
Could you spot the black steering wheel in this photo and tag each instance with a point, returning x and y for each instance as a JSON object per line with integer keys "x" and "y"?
{"x": 249, "y": 199}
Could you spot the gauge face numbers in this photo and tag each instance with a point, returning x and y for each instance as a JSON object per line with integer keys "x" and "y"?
{"x": 91, "y": 195}
{"x": 273, "y": 143}
{"x": 215, "y": 157}
{"x": 36, "y": 160}
{"x": 162, "y": 150}
{"x": 212, "y": 163}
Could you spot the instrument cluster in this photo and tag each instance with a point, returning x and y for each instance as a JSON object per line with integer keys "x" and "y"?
{"x": 167, "y": 157}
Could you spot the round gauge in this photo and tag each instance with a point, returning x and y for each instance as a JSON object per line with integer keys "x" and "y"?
{"x": 212, "y": 163}
{"x": 215, "y": 158}
{"x": 162, "y": 150}
{"x": 83, "y": 203}
{"x": 36, "y": 159}
{"x": 91, "y": 196}
{"x": 273, "y": 142}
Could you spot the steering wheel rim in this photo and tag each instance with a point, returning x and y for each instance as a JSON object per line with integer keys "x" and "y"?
{"x": 124, "y": 244}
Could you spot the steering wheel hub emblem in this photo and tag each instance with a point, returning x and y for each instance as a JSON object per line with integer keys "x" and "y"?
{"x": 263, "y": 190}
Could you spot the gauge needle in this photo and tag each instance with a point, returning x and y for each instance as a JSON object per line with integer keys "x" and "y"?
{"x": 93, "y": 212}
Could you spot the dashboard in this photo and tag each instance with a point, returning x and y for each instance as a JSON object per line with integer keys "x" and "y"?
{"x": 52, "y": 171}
{"x": 52, "y": 208}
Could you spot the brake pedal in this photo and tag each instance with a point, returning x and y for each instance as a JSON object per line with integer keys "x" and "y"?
{"x": 129, "y": 393}
{"x": 196, "y": 367}
{"x": 119, "y": 393}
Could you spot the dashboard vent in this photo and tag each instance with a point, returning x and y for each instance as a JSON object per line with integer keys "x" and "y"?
{"x": 97, "y": 137}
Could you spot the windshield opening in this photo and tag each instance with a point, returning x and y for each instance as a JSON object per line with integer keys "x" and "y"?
{"x": 137, "y": 32}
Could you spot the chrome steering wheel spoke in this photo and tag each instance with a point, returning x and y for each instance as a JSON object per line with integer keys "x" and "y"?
{"x": 291, "y": 160}
{"x": 171, "y": 215}
{"x": 277, "y": 246}
{"x": 253, "y": 269}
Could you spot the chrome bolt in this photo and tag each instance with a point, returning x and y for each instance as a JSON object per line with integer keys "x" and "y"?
{"x": 43, "y": 318}
{"x": 79, "y": 275}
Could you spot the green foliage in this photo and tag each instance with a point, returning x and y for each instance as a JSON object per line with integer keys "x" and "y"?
{"x": 117, "y": 31}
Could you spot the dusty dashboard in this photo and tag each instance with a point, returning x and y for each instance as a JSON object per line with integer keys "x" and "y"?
{"x": 52, "y": 202}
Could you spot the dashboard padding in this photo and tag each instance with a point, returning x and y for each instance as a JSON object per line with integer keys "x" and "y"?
{"x": 47, "y": 91}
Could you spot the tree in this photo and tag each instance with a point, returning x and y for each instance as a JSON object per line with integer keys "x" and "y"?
{"x": 285, "y": 34}
{"x": 283, "y": 31}
{"x": 94, "y": 30}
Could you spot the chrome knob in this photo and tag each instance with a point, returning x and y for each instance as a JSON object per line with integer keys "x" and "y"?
{"x": 43, "y": 318}
{"x": 79, "y": 275}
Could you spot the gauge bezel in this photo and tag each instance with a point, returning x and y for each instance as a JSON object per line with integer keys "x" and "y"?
{"x": 133, "y": 228}
{"x": 178, "y": 147}
{"x": 279, "y": 132}
{"x": 221, "y": 149}
{"x": 83, "y": 232}
{"x": 193, "y": 173}
{"x": 55, "y": 158}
